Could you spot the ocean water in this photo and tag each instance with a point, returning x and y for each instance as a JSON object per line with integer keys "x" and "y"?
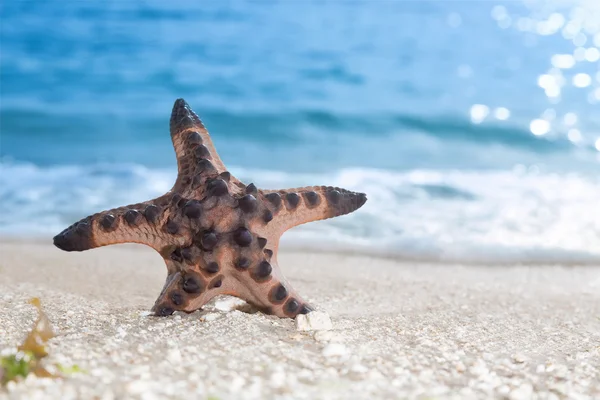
{"x": 473, "y": 126}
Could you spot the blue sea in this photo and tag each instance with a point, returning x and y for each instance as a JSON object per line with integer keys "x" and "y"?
{"x": 473, "y": 126}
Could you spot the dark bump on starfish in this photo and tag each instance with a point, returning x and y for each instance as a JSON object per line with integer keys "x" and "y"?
{"x": 292, "y": 199}
{"x": 217, "y": 187}
{"x": 204, "y": 165}
{"x": 208, "y": 240}
{"x": 312, "y": 198}
{"x": 176, "y": 255}
{"x": 275, "y": 199}
{"x": 212, "y": 267}
{"x": 242, "y": 237}
{"x": 305, "y": 309}
{"x": 108, "y": 222}
{"x": 267, "y": 216}
{"x": 262, "y": 242}
{"x": 175, "y": 198}
{"x": 191, "y": 285}
{"x": 202, "y": 152}
{"x": 291, "y": 306}
{"x": 186, "y": 253}
{"x": 262, "y": 271}
{"x": 268, "y": 252}
{"x": 226, "y": 176}
{"x": 242, "y": 263}
{"x": 333, "y": 196}
{"x": 192, "y": 209}
{"x": 162, "y": 201}
{"x": 82, "y": 228}
{"x": 172, "y": 227}
{"x": 186, "y": 180}
{"x": 248, "y": 203}
{"x": 197, "y": 181}
{"x": 278, "y": 294}
{"x": 164, "y": 311}
{"x": 194, "y": 138}
{"x": 185, "y": 123}
{"x": 216, "y": 282}
{"x": 151, "y": 213}
{"x": 177, "y": 298}
{"x": 132, "y": 217}
{"x": 251, "y": 189}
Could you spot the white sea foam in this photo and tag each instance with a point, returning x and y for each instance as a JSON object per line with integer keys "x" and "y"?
{"x": 497, "y": 216}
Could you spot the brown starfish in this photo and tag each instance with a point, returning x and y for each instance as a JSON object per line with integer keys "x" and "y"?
{"x": 216, "y": 234}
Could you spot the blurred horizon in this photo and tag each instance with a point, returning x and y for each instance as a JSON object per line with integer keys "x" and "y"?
{"x": 472, "y": 126}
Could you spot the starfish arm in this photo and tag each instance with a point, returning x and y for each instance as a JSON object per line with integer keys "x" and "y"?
{"x": 273, "y": 295}
{"x": 194, "y": 148}
{"x": 292, "y": 207}
{"x": 187, "y": 291}
{"x": 144, "y": 223}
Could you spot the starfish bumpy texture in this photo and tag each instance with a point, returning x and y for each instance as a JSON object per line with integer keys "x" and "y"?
{"x": 216, "y": 234}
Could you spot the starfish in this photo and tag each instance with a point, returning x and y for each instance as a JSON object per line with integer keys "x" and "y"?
{"x": 217, "y": 235}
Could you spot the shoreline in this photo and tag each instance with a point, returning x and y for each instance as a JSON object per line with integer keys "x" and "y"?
{"x": 400, "y": 330}
{"x": 343, "y": 249}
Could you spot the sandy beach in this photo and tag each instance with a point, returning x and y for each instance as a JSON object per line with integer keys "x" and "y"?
{"x": 400, "y": 330}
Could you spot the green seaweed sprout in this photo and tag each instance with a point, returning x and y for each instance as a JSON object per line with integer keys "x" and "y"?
{"x": 31, "y": 352}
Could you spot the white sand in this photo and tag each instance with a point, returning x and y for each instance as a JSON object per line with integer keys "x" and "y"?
{"x": 400, "y": 330}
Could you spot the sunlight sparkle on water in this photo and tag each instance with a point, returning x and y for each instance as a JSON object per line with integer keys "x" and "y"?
{"x": 499, "y": 12}
{"x": 579, "y": 54}
{"x": 550, "y": 26}
{"x": 549, "y": 114}
{"x": 570, "y": 118}
{"x": 582, "y": 80}
{"x": 479, "y": 112}
{"x": 580, "y": 39}
{"x": 592, "y": 54}
{"x": 564, "y": 61}
{"x": 574, "y": 135}
{"x": 502, "y": 113}
{"x": 539, "y": 127}
{"x": 578, "y": 23}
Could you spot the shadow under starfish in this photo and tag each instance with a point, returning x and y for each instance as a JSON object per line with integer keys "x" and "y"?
{"x": 216, "y": 234}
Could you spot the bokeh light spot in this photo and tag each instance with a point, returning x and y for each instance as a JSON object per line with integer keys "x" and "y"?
{"x": 539, "y": 127}
{"x": 479, "y": 112}
{"x": 582, "y": 80}
{"x": 579, "y": 54}
{"x": 574, "y": 135}
{"x": 499, "y": 13}
{"x": 570, "y": 119}
{"x": 580, "y": 39}
{"x": 564, "y": 61}
{"x": 502, "y": 113}
{"x": 592, "y": 54}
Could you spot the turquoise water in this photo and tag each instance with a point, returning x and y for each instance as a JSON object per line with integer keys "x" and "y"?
{"x": 473, "y": 126}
